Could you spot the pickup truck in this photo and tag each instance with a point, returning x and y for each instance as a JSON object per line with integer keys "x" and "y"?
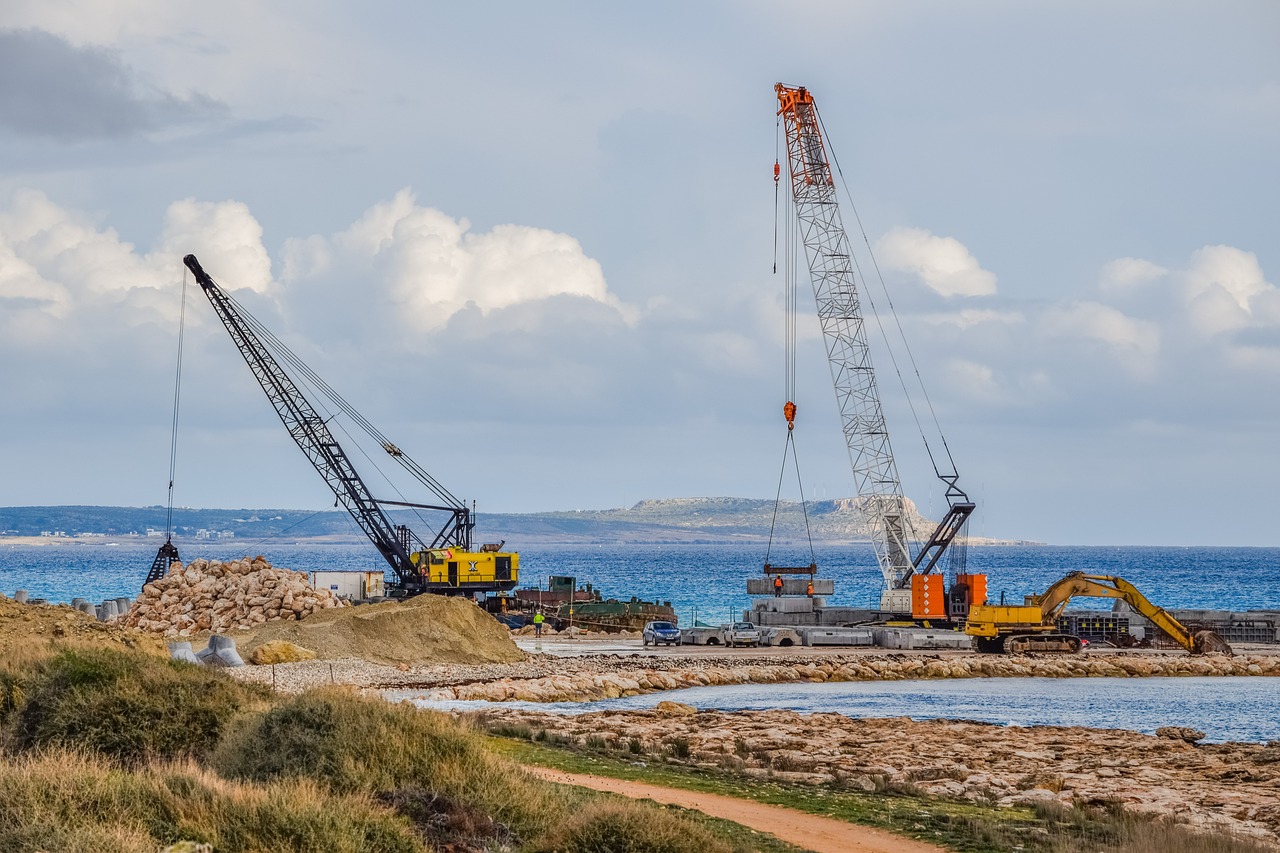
{"x": 741, "y": 634}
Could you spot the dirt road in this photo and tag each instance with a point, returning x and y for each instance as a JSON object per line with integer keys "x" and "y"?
{"x": 812, "y": 832}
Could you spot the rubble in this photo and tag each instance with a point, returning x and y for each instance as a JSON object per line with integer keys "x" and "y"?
{"x": 207, "y": 595}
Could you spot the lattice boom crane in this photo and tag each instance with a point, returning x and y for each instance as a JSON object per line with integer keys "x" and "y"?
{"x": 835, "y": 289}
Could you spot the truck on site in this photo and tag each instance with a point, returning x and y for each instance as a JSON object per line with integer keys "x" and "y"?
{"x": 1032, "y": 626}
{"x": 443, "y": 561}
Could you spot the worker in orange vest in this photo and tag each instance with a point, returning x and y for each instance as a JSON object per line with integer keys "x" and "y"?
{"x": 811, "y": 589}
{"x": 777, "y": 585}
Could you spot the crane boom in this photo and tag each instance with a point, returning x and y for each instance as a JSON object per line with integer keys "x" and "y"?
{"x": 311, "y": 433}
{"x": 835, "y": 290}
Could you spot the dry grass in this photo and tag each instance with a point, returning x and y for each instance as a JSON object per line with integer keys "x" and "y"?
{"x": 65, "y": 801}
{"x": 128, "y": 706}
{"x": 609, "y": 826}
{"x": 354, "y": 744}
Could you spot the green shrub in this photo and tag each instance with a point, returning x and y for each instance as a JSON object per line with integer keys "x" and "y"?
{"x": 128, "y": 706}
{"x": 397, "y": 752}
{"x": 56, "y": 800}
{"x": 606, "y": 826}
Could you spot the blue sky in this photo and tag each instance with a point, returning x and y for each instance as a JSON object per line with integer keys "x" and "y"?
{"x": 532, "y": 242}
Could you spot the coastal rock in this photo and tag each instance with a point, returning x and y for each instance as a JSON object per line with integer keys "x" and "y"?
{"x": 1182, "y": 733}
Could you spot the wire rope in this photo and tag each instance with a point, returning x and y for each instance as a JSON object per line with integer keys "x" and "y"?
{"x": 897, "y": 321}
{"x": 177, "y": 398}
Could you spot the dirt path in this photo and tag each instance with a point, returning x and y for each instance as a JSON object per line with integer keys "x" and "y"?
{"x": 812, "y": 832}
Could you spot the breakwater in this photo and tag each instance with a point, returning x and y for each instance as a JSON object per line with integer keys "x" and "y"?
{"x": 587, "y": 686}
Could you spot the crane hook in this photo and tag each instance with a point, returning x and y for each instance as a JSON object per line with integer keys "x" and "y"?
{"x": 777, "y": 170}
{"x": 789, "y": 412}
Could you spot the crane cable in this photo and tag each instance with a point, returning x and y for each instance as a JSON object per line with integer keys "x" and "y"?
{"x": 897, "y": 320}
{"x": 177, "y": 397}
{"x": 789, "y": 286}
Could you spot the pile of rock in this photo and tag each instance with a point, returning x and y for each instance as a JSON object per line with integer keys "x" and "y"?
{"x": 207, "y": 595}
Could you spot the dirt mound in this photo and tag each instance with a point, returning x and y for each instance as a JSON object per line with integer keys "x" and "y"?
{"x": 33, "y": 628}
{"x": 422, "y": 630}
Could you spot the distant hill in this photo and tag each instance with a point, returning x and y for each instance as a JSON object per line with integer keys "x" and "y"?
{"x": 671, "y": 520}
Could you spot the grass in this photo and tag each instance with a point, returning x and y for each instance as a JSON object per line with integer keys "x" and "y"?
{"x": 959, "y": 826}
{"x": 128, "y": 706}
{"x": 58, "y": 800}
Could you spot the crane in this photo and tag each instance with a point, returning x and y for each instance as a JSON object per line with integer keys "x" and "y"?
{"x": 1032, "y": 627}
{"x": 447, "y": 564}
{"x": 909, "y": 585}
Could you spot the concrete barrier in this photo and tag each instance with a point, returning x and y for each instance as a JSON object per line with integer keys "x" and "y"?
{"x": 921, "y": 638}
{"x": 182, "y": 651}
{"x": 822, "y": 636}
{"x": 108, "y": 611}
{"x": 20, "y": 596}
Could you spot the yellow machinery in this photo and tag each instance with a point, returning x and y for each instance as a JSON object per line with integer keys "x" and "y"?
{"x": 1032, "y": 627}
{"x": 452, "y": 570}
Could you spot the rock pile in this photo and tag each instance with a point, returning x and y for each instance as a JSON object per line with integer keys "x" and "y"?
{"x": 207, "y": 595}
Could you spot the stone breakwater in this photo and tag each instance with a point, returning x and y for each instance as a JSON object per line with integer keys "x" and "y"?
{"x": 1232, "y": 787}
{"x": 207, "y": 595}
{"x": 586, "y": 685}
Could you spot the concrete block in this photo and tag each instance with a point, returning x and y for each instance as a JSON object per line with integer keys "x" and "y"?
{"x": 782, "y": 636}
{"x": 182, "y": 651}
{"x": 823, "y": 636}
{"x": 20, "y": 596}
{"x": 108, "y": 612}
{"x": 89, "y": 608}
{"x": 788, "y": 605}
{"x": 921, "y": 638}
{"x": 791, "y": 586}
{"x": 123, "y": 605}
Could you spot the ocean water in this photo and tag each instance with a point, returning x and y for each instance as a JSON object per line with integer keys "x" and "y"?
{"x": 707, "y": 582}
{"x": 1225, "y": 709}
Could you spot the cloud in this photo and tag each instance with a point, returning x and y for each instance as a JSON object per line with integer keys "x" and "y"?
{"x": 1122, "y": 334}
{"x": 942, "y": 263}
{"x": 50, "y": 88}
{"x": 432, "y": 266}
{"x": 1124, "y": 274}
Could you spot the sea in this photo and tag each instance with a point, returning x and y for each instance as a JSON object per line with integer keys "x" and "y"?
{"x": 706, "y": 583}
{"x": 703, "y": 582}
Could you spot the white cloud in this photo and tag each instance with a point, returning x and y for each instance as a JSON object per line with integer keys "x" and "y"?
{"x": 432, "y": 266}
{"x": 1124, "y": 274}
{"x": 1094, "y": 321}
{"x": 944, "y": 264}
{"x": 1228, "y": 269}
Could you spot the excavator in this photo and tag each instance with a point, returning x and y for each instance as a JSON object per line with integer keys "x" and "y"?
{"x": 1032, "y": 627}
{"x": 447, "y": 563}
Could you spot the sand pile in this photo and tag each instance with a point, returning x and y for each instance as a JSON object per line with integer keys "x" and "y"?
{"x": 35, "y": 627}
{"x": 207, "y": 595}
{"x": 418, "y": 631}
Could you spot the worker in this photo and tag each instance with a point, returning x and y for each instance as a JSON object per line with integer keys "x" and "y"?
{"x": 811, "y": 589}
{"x": 538, "y": 619}
{"x": 777, "y": 585}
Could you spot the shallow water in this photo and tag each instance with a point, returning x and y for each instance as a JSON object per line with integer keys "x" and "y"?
{"x": 1226, "y": 709}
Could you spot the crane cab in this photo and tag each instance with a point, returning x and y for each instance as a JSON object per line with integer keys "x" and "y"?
{"x": 451, "y": 571}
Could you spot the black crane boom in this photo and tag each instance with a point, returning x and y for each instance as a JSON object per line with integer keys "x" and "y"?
{"x": 408, "y": 557}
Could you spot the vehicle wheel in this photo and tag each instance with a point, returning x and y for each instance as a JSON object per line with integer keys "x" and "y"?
{"x": 644, "y": 641}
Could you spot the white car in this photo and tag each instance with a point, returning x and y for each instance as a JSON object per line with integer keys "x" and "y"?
{"x": 741, "y": 634}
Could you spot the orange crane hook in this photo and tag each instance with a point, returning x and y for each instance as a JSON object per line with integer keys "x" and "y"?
{"x": 789, "y": 412}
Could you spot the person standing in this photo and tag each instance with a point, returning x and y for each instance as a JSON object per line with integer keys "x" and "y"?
{"x": 538, "y": 619}
{"x": 811, "y": 589}
{"x": 777, "y": 586}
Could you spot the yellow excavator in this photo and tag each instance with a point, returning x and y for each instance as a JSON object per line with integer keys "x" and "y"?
{"x": 1032, "y": 627}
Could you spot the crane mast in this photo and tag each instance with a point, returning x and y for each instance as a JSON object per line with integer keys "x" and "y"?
{"x": 410, "y": 559}
{"x": 835, "y": 289}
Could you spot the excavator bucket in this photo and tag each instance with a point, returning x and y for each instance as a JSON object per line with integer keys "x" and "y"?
{"x": 1209, "y": 643}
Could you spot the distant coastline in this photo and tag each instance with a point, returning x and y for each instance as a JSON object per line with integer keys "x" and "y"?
{"x": 671, "y": 521}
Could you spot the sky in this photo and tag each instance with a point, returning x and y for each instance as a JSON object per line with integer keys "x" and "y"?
{"x": 534, "y": 243}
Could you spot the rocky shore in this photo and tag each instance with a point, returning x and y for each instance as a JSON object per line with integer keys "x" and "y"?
{"x": 1231, "y": 787}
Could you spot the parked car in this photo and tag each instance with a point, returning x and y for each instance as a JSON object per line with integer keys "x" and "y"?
{"x": 660, "y": 632}
{"x": 741, "y": 634}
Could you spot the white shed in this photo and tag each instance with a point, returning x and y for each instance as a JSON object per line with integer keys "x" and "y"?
{"x": 348, "y": 584}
